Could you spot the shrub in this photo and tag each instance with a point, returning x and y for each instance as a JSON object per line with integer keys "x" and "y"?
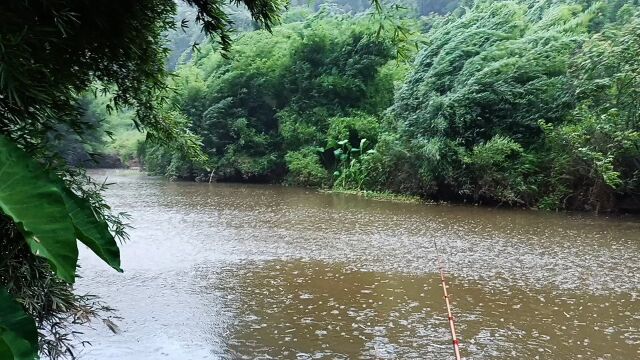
{"x": 353, "y": 128}
{"x": 305, "y": 168}
{"x": 495, "y": 171}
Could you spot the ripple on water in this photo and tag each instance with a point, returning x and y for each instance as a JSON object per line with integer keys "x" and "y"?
{"x": 319, "y": 310}
{"x": 238, "y": 271}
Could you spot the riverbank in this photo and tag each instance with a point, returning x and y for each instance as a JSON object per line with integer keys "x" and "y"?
{"x": 380, "y": 196}
{"x": 627, "y": 206}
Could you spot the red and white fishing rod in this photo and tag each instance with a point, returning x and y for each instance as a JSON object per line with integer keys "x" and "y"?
{"x": 452, "y": 326}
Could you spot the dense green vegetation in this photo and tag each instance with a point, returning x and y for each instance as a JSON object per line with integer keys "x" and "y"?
{"x": 50, "y": 53}
{"x": 280, "y": 96}
{"x": 524, "y": 103}
{"x": 501, "y": 107}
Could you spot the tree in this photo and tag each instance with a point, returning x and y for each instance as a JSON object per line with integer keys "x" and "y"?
{"x": 279, "y": 92}
{"x": 596, "y": 153}
{"x": 483, "y": 81}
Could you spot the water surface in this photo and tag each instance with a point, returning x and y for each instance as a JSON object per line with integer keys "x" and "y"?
{"x": 229, "y": 271}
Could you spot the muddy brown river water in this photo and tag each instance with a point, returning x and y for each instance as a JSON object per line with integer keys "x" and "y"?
{"x": 229, "y": 271}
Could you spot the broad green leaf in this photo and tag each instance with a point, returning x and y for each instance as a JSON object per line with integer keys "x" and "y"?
{"x": 331, "y": 144}
{"x": 18, "y": 332}
{"x": 35, "y": 204}
{"x": 91, "y": 230}
{"x": 49, "y": 215}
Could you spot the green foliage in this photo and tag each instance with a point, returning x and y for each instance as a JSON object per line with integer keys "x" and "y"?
{"x": 498, "y": 88}
{"x": 278, "y": 93}
{"x": 351, "y": 169}
{"x": 495, "y": 170}
{"x": 49, "y": 215}
{"x": 439, "y": 164}
{"x": 518, "y": 102}
{"x": 525, "y": 103}
{"x": 90, "y": 229}
{"x": 380, "y": 94}
{"x": 70, "y": 46}
{"x": 28, "y": 196}
{"x": 298, "y": 130}
{"x": 18, "y": 333}
{"x": 305, "y": 168}
{"x": 248, "y": 156}
{"x": 116, "y": 134}
{"x": 176, "y": 159}
{"x": 595, "y": 153}
{"x": 353, "y": 128}
{"x": 157, "y": 158}
{"x": 492, "y": 71}
{"x": 49, "y": 300}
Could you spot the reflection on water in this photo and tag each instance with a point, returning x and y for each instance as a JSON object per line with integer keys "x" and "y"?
{"x": 234, "y": 271}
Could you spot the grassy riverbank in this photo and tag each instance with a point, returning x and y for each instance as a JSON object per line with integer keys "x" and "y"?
{"x": 380, "y": 196}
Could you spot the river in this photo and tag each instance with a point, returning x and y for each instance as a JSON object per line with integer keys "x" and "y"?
{"x": 233, "y": 271}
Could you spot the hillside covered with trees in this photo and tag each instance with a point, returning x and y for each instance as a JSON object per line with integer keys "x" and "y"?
{"x": 521, "y": 103}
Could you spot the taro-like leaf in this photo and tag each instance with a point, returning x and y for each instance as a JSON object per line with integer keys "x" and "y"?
{"x": 49, "y": 215}
{"x": 92, "y": 230}
{"x": 35, "y": 203}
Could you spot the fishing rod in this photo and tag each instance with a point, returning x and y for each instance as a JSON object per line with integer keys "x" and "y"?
{"x": 443, "y": 282}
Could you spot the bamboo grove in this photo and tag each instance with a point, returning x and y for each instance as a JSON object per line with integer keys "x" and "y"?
{"x": 518, "y": 103}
